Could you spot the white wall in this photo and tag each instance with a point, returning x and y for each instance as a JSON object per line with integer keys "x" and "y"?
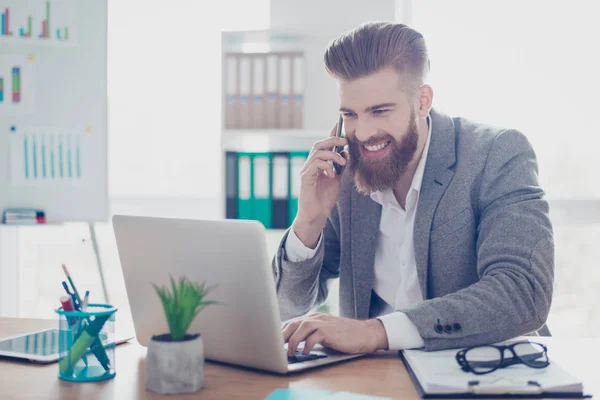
{"x": 164, "y": 93}
{"x": 9, "y": 273}
{"x": 329, "y": 16}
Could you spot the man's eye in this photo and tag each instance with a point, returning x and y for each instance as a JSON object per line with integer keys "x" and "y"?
{"x": 380, "y": 111}
{"x": 349, "y": 115}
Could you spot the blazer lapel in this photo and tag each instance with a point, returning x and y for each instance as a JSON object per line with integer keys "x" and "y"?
{"x": 436, "y": 178}
{"x": 364, "y": 224}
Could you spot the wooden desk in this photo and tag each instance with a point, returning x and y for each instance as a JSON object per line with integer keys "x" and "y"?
{"x": 379, "y": 375}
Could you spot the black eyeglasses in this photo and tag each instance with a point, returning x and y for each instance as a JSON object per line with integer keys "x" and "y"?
{"x": 485, "y": 359}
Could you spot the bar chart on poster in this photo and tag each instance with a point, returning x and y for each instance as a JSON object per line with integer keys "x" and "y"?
{"x": 40, "y": 22}
{"x": 53, "y": 108}
{"x": 45, "y": 156}
{"x": 17, "y": 84}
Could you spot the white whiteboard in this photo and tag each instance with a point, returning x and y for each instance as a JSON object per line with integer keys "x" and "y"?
{"x": 53, "y": 111}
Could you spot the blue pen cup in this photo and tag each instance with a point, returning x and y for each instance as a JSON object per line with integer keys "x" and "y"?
{"x": 87, "y": 343}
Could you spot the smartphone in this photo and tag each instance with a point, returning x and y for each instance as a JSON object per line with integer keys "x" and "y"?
{"x": 338, "y": 149}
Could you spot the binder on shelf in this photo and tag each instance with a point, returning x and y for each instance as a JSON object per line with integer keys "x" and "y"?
{"x": 231, "y": 185}
{"x": 298, "y": 91}
{"x": 244, "y": 175}
{"x": 296, "y": 162}
{"x": 280, "y": 190}
{"x": 261, "y": 181}
{"x": 285, "y": 91}
{"x": 272, "y": 88}
{"x": 231, "y": 91}
{"x": 258, "y": 91}
{"x": 244, "y": 110}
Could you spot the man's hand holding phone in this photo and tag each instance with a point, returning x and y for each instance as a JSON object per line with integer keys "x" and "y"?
{"x": 319, "y": 187}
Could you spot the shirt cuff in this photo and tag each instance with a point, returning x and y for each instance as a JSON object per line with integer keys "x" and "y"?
{"x": 296, "y": 251}
{"x": 402, "y": 334}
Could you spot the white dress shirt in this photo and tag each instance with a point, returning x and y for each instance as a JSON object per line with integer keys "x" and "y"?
{"x": 395, "y": 280}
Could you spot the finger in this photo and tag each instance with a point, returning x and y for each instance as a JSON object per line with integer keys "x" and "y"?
{"x": 312, "y": 340}
{"x": 289, "y": 321}
{"x": 315, "y": 169}
{"x": 289, "y": 330}
{"x": 315, "y": 314}
{"x": 325, "y": 155}
{"x": 305, "y": 329}
{"x": 346, "y": 155}
{"x": 329, "y": 143}
{"x": 285, "y": 325}
{"x": 319, "y": 316}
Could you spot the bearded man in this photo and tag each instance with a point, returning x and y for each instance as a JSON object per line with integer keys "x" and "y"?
{"x": 437, "y": 227}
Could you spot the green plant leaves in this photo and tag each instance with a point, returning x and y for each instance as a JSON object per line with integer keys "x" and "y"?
{"x": 182, "y": 304}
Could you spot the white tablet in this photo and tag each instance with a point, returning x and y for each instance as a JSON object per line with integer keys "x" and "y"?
{"x": 41, "y": 346}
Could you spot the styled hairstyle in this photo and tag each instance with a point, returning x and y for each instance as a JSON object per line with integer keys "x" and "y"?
{"x": 376, "y": 45}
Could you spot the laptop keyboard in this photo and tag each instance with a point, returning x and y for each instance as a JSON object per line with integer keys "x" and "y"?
{"x": 299, "y": 357}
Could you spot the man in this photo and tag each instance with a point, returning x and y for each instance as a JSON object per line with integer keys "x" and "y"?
{"x": 437, "y": 227}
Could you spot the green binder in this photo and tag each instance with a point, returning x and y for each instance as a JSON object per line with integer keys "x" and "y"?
{"x": 245, "y": 185}
{"x": 297, "y": 160}
{"x": 261, "y": 188}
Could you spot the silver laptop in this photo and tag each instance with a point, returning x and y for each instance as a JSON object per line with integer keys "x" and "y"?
{"x": 246, "y": 329}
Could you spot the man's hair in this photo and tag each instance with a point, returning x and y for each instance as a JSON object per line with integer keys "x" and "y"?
{"x": 376, "y": 45}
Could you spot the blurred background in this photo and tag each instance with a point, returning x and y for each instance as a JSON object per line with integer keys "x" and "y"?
{"x": 176, "y": 88}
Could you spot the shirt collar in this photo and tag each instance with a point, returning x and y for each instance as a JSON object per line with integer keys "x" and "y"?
{"x": 388, "y": 195}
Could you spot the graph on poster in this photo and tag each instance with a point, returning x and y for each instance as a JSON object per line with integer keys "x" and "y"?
{"x": 53, "y": 108}
{"x": 16, "y": 84}
{"x": 44, "y": 155}
{"x": 40, "y": 22}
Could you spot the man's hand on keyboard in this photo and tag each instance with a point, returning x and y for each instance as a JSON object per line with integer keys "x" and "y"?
{"x": 342, "y": 334}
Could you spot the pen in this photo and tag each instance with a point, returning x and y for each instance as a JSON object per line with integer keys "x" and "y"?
{"x": 79, "y": 348}
{"x": 66, "y": 287}
{"x": 67, "y": 303}
{"x": 85, "y": 300}
{"x": 96, "y": 347}
{"x": 75, "y": 304}
{"x": 64, "y": 267}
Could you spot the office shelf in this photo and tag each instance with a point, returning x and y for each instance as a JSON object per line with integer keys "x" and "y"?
{"x": 270, "y": 140}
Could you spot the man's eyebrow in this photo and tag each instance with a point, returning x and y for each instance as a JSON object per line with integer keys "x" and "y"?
{"x": 369, "y": 109}
{"x": 383, "y": 105}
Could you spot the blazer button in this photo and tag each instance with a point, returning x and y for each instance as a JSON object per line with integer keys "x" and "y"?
{"x": 439, "y": 328}
{"x": 448, "y": 328}
{"x": 457, "y": 327}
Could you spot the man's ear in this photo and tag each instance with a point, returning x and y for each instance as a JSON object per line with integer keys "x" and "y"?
{"x": 425, "y": 100}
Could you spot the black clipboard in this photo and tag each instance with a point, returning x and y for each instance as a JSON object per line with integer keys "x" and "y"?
{"x": 467, "y": 395}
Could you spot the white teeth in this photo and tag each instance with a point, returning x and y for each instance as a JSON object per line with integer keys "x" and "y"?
{"x": 376, "y": 148}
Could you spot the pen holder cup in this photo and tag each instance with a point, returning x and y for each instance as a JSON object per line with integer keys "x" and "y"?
{"x": 87, "y": 343}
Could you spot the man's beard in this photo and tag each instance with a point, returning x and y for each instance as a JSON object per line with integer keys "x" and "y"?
{"x": 372, "y": 175}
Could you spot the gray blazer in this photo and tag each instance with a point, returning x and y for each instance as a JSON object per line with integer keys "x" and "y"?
{"x": 483, "y": 243}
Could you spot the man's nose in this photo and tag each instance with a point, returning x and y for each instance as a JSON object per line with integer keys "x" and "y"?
{"x": 364, "y": 130}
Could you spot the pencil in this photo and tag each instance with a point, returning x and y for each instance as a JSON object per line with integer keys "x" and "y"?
{"x": 85, "y": 300}
{"x": 64, "y": 267}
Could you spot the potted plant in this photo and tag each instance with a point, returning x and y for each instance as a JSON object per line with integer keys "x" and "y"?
{"x": 175, "y": 360}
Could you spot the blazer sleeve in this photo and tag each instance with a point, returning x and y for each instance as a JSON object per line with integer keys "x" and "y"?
{"x": 303, "y": 285}
{"x": 515, "y": 257}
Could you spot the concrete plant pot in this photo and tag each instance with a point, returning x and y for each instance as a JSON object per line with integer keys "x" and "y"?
{"x": 175, "y": 367}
